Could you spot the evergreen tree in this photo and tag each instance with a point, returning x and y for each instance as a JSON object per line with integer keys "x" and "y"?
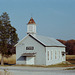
{"x": 8, "y": 36}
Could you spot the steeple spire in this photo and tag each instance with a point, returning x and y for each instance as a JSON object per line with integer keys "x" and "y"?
{"x": 31, "y": 26}
{"x": 31, "y": 21}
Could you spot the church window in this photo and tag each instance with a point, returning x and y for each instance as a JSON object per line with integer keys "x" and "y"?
{"x": 48, "y": 55}
{"x": 51, "y": 55}
{"x": 30, "y": 28}
{"x": 55, "y": 55}
{"x": 59, "y": 54}
{"x": 30, "y": 48}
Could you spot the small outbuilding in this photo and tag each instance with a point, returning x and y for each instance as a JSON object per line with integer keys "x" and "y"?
{"x": 35, "y": 49}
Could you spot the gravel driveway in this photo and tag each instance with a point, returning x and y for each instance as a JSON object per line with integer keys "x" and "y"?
{"x": 38, "y": 71}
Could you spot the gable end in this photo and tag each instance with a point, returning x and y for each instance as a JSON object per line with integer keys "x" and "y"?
{"x": 37, "y": 40}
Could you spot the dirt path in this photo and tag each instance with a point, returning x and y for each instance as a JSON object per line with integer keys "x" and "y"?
{"x": 1, "y": 73}
{"x": 6, "y": 73}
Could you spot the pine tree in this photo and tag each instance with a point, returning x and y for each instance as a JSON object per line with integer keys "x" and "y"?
{"x": 8, "y": 35}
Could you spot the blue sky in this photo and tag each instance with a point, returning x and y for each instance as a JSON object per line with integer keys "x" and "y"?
{"x": 54, "y": 18}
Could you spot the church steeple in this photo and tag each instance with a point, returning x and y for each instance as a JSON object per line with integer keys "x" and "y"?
{"x": 31, "y": 26}
{"x": 31, "y": 21}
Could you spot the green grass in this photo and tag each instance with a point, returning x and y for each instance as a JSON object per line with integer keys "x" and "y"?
{"x": 70, "y": 69}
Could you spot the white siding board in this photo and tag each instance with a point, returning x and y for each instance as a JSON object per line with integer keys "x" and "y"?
{"x": 53, "y": 50}
{"x": 38, "y": 49}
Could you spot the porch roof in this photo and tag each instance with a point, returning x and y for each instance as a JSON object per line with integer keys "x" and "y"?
{"x": 28, "y": 54}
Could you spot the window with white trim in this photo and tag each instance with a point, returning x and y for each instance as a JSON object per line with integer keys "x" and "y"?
{"x": 51, "y": 55}
{"x": 59, "y": 54}
{"x": 30, "y": 48}
{"x": 55, "y": 55}
{"x": 48, "y": 55}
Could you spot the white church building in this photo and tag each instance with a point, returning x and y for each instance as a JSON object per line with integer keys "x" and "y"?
{"x": 34, "y": 49}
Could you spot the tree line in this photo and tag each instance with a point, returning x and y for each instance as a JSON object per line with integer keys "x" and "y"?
{"x": 8, "y": 37}
{"x": 70, "y": 46}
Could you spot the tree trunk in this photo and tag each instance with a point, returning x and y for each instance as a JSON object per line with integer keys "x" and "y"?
{"x": 2, "y": 63}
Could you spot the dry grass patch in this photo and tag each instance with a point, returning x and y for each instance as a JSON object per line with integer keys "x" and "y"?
{"x": 70, "y": 69}
{"x": 9, "y": 60}
{"x": 70, "y": 58}
{"x": 12, "y": 59}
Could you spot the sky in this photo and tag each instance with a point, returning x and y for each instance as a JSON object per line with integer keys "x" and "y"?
{"x": 54, "y": 18}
